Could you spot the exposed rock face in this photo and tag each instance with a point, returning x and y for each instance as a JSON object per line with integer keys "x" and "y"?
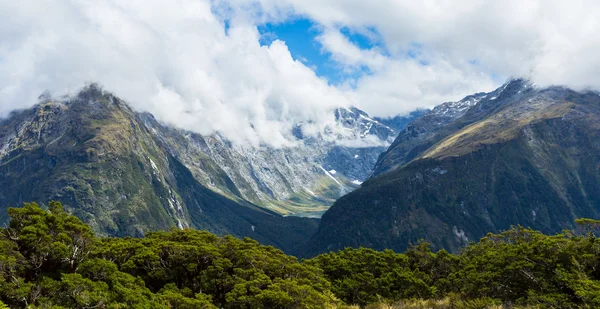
{"x": 517, "y": 155}
{"x": 125, "y": 173}
{"x": 302, "y": 180}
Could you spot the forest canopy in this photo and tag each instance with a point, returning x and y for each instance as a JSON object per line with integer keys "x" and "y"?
{"x": 50, "y": 259}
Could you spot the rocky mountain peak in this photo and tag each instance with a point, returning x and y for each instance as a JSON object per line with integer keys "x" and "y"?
{"x": 110, "y": 167}
{"x": 301, "y": 180}
{"x": 434, "y": 124}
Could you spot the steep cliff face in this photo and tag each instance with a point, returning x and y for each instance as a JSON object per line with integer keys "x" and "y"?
{"x": 301, "y": 180}
{"x": 519, "y": 155}
{"x": 98, "y": 157}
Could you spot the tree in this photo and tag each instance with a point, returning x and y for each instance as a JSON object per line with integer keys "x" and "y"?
{"x": 589, "y": 226}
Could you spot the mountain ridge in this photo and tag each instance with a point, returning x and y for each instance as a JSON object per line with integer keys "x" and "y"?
{"x": 125, "y": 173}
{"x": 303, "y": 180}
{"x": 521, "y": 155}
{"x": 93, "y": 153}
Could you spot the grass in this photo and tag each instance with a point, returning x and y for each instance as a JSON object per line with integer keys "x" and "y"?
{"x": 499, "y": 128}
{"x": 304, "y": 203}
{"x": 451, "y": 302}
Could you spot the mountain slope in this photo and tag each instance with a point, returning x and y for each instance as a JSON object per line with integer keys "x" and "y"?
{"x": 399, "y": 122}
{"x": 420, "y": 132}
{"x": 521, "y": 155}
{"x": 96, "y": 156}
{"x": 301, "y": 180}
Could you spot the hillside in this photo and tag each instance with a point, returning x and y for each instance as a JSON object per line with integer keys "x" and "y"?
{"x": 96, "y": 156}
{"x": 520, "y": 155}
{"x": 301, "y": 180}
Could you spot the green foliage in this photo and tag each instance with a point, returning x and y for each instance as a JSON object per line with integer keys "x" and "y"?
{"x": 517, "y": 267}
{"x": 50, "y": 259}
{"x": 228, "y": 271}
{"x": 527, "y": 267}
{"x": 589, "y": 225}
{"x": 362, "y": 276}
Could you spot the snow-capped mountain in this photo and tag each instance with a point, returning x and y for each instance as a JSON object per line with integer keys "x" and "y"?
{"x": 106, "y": 151}
{"x": 302, "y": 180}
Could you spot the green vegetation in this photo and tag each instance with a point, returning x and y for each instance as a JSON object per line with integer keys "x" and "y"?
{"x": 50, "y": 259}
{"x": 517, "y": 267}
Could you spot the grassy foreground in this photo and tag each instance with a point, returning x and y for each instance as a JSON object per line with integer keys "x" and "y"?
{"x": 446, "y": 303}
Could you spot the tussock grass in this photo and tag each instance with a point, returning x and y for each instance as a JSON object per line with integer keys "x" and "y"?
{"x": 451, "y": 302}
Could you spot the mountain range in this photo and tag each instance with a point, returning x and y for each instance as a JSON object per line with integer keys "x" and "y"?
{"x": 303, "y": 180}
{"x": 518, "y": 155}
{"x": 125, "y": 173}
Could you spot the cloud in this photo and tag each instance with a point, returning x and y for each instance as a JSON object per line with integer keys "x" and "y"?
{"x": 346, "y": 53}
{"x": 468, "y": 45}
{"x": 403, "y": 84}
{"x": 176, "y": 59}
{"x": 198, "y": 64}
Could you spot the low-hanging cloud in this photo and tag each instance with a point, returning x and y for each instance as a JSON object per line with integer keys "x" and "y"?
{"x": 175, "y": 59}
{"x": 181, "y": 61}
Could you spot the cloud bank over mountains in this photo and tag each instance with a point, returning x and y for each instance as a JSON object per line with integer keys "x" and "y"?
{"x": 199, "y": 64}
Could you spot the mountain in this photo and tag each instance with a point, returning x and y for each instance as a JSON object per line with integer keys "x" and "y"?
{"x": 97, "y": 156}
{"x": 418, "y": 133}
{"x": 399, "y": 122}
{"x": 517, "y": 155}
{"x": 303, "y": 180}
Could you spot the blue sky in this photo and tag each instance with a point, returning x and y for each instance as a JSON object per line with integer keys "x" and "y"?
{"x": 300, "y": 36}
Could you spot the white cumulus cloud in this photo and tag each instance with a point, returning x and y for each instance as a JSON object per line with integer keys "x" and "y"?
{"x": 467, "y": 45}
{"x": 175, "y": 59}
{"x": 182, "y": 62}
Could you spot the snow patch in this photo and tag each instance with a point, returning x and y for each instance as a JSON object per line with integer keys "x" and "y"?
{"x": 330, "y": 176}
{"x": 460, "y": 234}
{"x": 357, "y": 182}
{"x": 154, "y": 167}
{"x": 369, "y": 126}
{"x": 252, "y": 227}
{"x": 355, "y": 156}
{"x": 309, "y": 191}
{"x": 367, "y": 118}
